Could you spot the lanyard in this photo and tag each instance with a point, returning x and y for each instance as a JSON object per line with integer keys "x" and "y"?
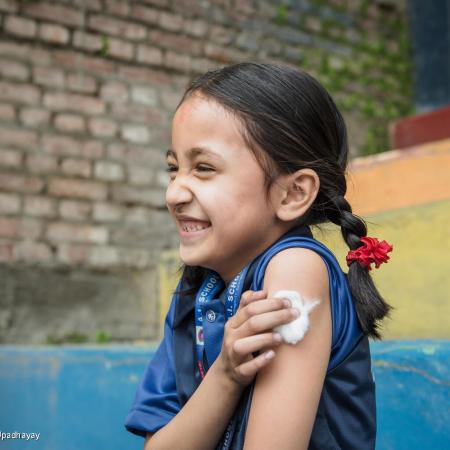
{"x": 213, "y": 284}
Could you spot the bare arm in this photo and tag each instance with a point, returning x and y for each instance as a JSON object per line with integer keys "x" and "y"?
{"x": 203, "y": 419}
{"x": 287, "y": 392}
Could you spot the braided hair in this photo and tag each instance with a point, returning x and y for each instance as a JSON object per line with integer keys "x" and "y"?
{"x": 290, "y": 122}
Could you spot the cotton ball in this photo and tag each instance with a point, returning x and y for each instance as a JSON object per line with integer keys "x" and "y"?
{"x": 294, "y": 331}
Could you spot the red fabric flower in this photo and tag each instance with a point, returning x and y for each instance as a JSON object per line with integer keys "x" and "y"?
{"x": 372, "y": 251}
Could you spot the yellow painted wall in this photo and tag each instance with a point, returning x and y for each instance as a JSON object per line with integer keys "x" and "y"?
{"x": 404, "y": 196}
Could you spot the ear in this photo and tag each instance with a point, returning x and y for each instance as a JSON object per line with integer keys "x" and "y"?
{"x": 297, "y": 192}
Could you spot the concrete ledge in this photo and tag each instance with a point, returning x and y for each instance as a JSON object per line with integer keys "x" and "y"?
{"x": 78, "y": 397}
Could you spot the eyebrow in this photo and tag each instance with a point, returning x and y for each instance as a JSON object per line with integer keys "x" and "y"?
{"x": 193, "y": 152}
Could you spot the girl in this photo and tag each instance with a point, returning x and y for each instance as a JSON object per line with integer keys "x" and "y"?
{"x": 258, "y": 155}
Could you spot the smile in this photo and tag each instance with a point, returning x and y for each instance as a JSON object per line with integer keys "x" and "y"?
{"x": 193, "y": 228}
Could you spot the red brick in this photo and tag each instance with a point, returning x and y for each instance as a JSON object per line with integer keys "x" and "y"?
{"x": 138, "y": 195}
{"x": 80, "y": 61}
{"x": 102, "y": 127}
{"x": 117, "y": 27}
{"x": 72, "y": 254}
{"x": 37, "y": 163}
{"x": 7, "y": 112}
{"x": 144, "y": 95}
{"x": 7, "y": 253}
{"x": 21, "y": 183}
{"x": 146, "y": 75}
{"x": 74, "y": 102}
{"x": 171, "y": 22}
{"x": 9, "y": 6}
{"x": 14, "y": 70}
{"x": 202, "y": 65}
{"x": 49, "y": 76}
{"x": 10, "y": 158}
{"x": 69, "y": 123}
{"x": 18, "y": 138}
{"x": 170, "y": 99}
{"x": 76, "y": 167}
{"x": 60, "y": 145}
{"x": 69, "y": 232}
{"x": 176, "y": 61}
{"x": 31, "y": 251}
{"x": 136, "y": 133}
{"x": 75, "y": 210}
{"x": 19, "y": 26}
{"x": 196, "y": 28}
{"x": 53, "y": 13}
{"x": 140, "y": 113}
{"x": 80, "y": 82}
{"x": 108, "y": 171}
{"x": 119, "y": 8}
{"x": 34, "y": 117}
{"x": 114, "y": 91}
{"x": 9, "y": 203}
{"x": 67, "y": 187}
{"x": 55, "y": 34}
{"x": 120, "y": 49}
{"x": 21, "y": 93}
{"x": 20, "y": 228}
{"x": 92, "y": 149}
{"x": 144, "y": 14}
{"x": 138, "y": 215}
{"x": 39, "y": 57}
{"x": 140, "y": 175}
{"x": 149, "y": 55}
{"x": 107, "y": 212}
{"x": 39, "y": 206}
{"x": 132, "y": 154}
{"x": 179, "y": 43}
{"x": 14, "y": 49}
{"x": 87, "y": 41}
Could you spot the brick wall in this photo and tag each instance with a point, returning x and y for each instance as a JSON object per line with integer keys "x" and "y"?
{"x": 87, "y": 90}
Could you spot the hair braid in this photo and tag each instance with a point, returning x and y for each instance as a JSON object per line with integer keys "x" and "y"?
{"x": 370, "y": 305}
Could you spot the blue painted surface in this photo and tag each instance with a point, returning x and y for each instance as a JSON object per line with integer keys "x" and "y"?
{"x": 77, "y": 397}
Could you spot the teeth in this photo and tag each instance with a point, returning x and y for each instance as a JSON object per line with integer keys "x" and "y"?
{"x": 194, "y": 227}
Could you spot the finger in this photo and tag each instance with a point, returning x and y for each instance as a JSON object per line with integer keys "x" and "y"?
{"x": 258, "y": 342}
{"x": 267, "y": 321}
{"x": 259, "y": 307}
{"x": 249, "y": 296}
{"x": 249, "y": 369}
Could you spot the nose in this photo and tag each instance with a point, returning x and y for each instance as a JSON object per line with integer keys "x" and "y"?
{"x": 178, "y": 192}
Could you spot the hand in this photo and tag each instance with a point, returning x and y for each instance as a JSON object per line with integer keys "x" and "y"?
{"x": 250, "y": 331}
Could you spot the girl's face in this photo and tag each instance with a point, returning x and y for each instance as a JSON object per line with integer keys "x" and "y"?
{"x": 216, "y": 193}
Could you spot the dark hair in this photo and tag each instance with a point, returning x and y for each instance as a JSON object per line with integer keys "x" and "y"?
{"x": 291, "y": 122}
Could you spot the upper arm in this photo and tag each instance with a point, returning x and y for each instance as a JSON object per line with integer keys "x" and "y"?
{"x": 287, "y": 391}
{"x": 147, "y": 440}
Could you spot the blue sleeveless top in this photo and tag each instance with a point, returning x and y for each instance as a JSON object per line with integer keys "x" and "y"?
{"x": 346, "y": 415}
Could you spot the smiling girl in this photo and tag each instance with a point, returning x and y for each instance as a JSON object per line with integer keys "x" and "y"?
{"x": 258, "y": 155}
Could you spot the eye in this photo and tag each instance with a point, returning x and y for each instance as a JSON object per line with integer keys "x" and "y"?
{"x": 171, "y": 168}
{"x": 200, "y": 168}
{"x": 203, "y": 168}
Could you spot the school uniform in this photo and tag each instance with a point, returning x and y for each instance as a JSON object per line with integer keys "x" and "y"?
{"x": 346, "y": 415}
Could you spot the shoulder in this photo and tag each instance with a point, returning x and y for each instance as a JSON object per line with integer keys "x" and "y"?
{"x": 297, "y": 267}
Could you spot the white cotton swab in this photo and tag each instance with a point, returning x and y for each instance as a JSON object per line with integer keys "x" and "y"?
{"x": 294, "y": 331}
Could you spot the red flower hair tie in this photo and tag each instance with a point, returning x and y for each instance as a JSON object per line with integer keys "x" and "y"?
{"x": 372, "y": 251}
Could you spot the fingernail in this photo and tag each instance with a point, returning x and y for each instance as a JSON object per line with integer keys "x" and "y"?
{"x": 287, "y": 303}
{"x": 270, "y": 354}
{"x": 295, "y": 312}
{"x": 277, "y": 337}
